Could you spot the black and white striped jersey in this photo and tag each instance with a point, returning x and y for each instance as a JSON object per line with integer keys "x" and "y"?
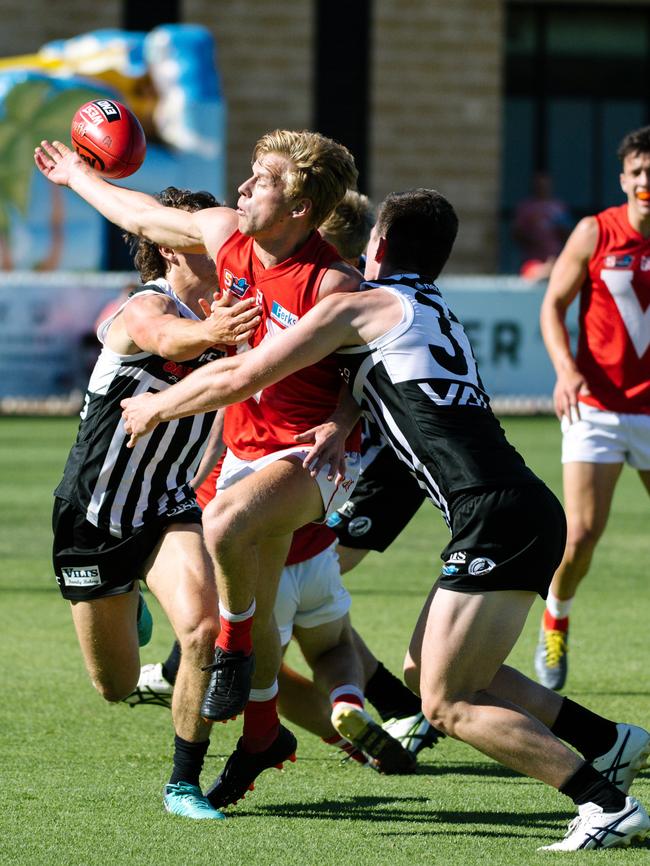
{"x": 421, "y": 385}
{"x": 117, "y": 488}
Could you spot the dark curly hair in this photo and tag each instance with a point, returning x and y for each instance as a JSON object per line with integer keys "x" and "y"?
{"x": 146, "y": 255}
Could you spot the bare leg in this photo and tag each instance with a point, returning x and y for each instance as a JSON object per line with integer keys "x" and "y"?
{"x": 248, "y": 531}
{"x": 303, "y": 704}
{"x": 330, "y": 652}
{"x": 466, "y": 639}
{"x": 108, "y": 637}
{"x": 179, "y": 574}
{"x": 588, "y": 492}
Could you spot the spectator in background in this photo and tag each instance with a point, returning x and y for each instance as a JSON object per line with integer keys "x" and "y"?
{"x": 540, "y": 227}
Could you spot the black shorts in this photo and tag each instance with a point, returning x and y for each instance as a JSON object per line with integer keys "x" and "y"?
{"x": 384, "y": 500}
{"x": 90, "y": 563}
{"x": 511, "y": 538}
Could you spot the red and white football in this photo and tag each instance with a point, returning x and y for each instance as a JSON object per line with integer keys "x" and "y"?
{"x": 109, "y": 137}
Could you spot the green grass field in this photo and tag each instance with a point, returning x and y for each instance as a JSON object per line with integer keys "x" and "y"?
{"x": 82, "y": 781}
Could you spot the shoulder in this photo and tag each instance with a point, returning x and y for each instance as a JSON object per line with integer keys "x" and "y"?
{"x": 339, "y": 277}
{"x": 584, "y": 238}
{"x": 216, "y": 225}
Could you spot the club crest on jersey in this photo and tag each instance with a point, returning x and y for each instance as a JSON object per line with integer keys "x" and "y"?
{"x": 282, "y": 316}
{"x": 618, "y": 261}
{"x": 237, "y": 285}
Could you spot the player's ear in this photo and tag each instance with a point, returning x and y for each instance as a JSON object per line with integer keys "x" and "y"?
{"x": 301, "y": 207}
{"x": 381, "y": 249}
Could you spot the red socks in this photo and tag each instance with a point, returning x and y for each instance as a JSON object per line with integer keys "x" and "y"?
{"x": 553, "y": 624}
{"x": 261, "y": 725}
{"x": 235, "y": 636}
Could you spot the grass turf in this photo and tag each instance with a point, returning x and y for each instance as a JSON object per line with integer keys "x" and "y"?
{"x": 82, "y": 781}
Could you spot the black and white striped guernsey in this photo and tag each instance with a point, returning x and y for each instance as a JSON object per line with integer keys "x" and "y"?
{"x": 420, "y": 383}
{"x": 117, "y": 488}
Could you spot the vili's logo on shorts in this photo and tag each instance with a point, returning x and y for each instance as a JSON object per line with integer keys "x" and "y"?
{"x": 81, "y": 575}
{"x": 481, "y": 565}
{"x": 359, "y": 526}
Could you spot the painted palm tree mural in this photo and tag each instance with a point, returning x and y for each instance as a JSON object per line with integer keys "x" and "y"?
{"x": 33, "y": 110}
{"x": 168, "y": 77}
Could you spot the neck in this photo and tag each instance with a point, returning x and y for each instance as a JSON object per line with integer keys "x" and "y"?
{"x": 190, "y": 294}
{"x": 639, "y": 224}
{"x": 273, "y": 251}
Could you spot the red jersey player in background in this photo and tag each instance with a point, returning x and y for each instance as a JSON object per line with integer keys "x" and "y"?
{"x": 602, "y": 394}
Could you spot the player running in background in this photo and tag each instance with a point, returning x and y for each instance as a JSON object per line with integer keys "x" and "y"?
{"x": 410, "y": 364}
{"x": 269, "y": 247}
{"x": 602, "y": 394}
{"x": 122, "y": 516}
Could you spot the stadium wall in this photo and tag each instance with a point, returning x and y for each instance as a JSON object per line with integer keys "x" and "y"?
{"x": 48, "y": 346}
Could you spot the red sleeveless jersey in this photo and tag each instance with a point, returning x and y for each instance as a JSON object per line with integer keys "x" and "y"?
{"x": 269, "y": 421}
{"x": 614, "y": 340}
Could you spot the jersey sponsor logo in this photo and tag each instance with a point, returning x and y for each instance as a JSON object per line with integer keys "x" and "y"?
{"x": 450, "y": 569}
{"x": 618, "y": 261}
{"x": 458, "y": 556}
{"x": 211, "y": 355}
{"x": 359, "y": 526}
{"x": 284, "y": 317}
{"x": 635, "y": 319}
{"x": 645, "y": 263}
{"x": 481, "y": 565}
{"x": 176, "y": 371}
{"x": 334, "y": 520}
{"x": 81, "y": 575}
{"x": 180, "y": 509}
{"x": 237, "y": 285}
{"x": 446, "y": 393}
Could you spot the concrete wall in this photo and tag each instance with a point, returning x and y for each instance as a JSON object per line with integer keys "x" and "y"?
{"x": 435, "y": 99}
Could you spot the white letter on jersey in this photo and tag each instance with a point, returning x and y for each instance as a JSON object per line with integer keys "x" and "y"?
{"x": 635, "y": 320}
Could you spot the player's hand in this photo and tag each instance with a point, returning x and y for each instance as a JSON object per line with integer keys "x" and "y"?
{"x": 57, "y": 162}
{"x": 569, "y": 386}
{"x": 231, "y": 324}
{"x": 139, "y": 416}
{"x": 328, "y": 449}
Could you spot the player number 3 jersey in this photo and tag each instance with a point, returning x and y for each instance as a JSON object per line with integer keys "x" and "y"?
{"x": 420, "y": 382}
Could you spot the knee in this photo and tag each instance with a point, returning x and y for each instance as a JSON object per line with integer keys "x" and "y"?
{"x": 443, "y": 712}
{"x": 581, "y": 541}
{"x": 197, "y": 638}
{"x": 113, "y": 690}
{"x": 411, "y": 673}
{"x": 223, "y": 523}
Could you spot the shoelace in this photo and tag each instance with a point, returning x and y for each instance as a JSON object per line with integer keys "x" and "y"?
{"x": 556, "y": 647}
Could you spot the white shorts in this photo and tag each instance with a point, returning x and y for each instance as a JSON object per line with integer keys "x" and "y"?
{"x": 606, "y": 437}
{"x": 311, "y": 594}
{"x": 333, "y": 495}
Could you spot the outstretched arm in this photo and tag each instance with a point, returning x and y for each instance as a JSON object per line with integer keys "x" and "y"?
{"x": 328, "y": 326}
{"x": 133, "y": 211}
{"x": 567, "y": 278}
